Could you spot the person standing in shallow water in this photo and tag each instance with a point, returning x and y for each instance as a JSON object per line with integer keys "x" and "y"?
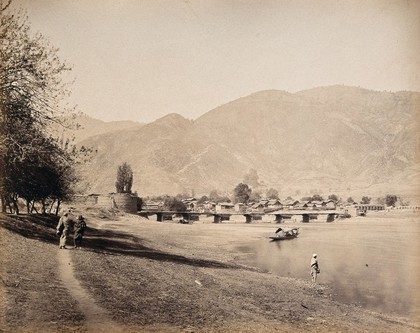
{"x": 314, "y": 267}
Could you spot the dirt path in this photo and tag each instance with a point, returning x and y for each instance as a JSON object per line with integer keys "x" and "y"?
{"x": 97, "y": 318}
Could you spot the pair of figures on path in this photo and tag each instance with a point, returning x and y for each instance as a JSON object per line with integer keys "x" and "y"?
{"x": 67, "y": 222}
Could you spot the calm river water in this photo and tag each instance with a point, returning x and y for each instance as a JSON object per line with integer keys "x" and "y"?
{"x": 373, "y": 262}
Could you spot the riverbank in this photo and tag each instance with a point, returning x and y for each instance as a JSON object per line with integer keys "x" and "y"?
{"x": 163, "y": 277}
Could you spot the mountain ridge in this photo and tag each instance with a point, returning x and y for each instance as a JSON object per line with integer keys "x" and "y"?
{"x": 324, "y": 139}
{"x": 81, "y": 126}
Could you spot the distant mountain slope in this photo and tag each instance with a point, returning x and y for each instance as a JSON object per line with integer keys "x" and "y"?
{"x": 88, "y": 127}
{"x": 91, "y": 127}
{"x": 328, "y": 139}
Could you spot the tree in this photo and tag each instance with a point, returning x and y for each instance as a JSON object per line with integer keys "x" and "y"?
{"x": 216, "y": 197}
{"x": 333, "y": 197}
{"x": 272, "y": 194}
{"x": 252, "y": 178}
{"x": 174, "y": 204}
{"x": 202, "y": 200}
{"x": 255, "y": 196}
{"x": 390, "y": 200}
{"x": 182, "y": 196}
{"x": 42, "y": 181}
{"x": 241, "y": 193}
{"x": 316, "y": 197}
{"x": 403, "y": 202}
{"x": 139, "y": 203}
{"x": 380, "y": 201}
{"x": 213, "y": 195}
{"x": 365, "y": 200}
{"x": 124, "y": 178}
{"x": 350, "y": 200}
{"x": 33, "y": 164}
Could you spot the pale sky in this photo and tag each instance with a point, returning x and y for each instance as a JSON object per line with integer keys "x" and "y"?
{"x": 140, "y": 60}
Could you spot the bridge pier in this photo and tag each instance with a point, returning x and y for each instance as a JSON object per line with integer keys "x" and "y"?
{"x": 194, "y": 217}
{"x": 248, "y": 218}
{"x": 305, "y": 218}
{"x": 279, "y": 218}
{"x": 330, "y": 217}
{"x": 225, "y": 217}
{"x": 159, "y": 217}
{"x": 217, "y": 219}
{"x": 186, "y": 216}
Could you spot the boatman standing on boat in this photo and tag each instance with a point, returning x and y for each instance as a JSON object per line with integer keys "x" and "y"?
{"x": 280, "y": 232}
{"x": 314, "y": 267}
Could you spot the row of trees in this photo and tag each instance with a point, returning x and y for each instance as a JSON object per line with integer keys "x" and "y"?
{"x": 34, "y": 165}
{"x": 389, "y": 200}
{"x": 243, "y": 193}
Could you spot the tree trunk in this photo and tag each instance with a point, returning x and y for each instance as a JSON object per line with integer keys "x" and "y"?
{"x": 10, "y": 207}
{"x": 52, "y": 206}
{"x": 3, "y": 203}
{"x": 16, "y": 206}
{"x": 58, "y": 206}
{"x": 43, "y": 211}
{"x": 33, "y": 207}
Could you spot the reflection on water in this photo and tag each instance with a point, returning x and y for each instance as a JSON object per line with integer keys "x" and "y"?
{"x": 371, "y": 262}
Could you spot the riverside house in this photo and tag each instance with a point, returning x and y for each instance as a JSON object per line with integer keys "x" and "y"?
{"x": 290, "y": 204}
{"x": 329, "y": 204}
{"x": 274, "y": 204}
{"x": 190, "y": 203}
{"x": 152, "y": 205}
{"x": 224, "y": 207}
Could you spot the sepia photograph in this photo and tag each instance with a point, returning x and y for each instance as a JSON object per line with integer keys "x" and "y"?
{"x": 210, "y": 166}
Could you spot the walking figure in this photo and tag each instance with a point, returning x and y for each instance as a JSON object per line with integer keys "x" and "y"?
{"x": 79, "y": 229}
{"x": 314, "y": 267}
{"x": 63, "y": 226}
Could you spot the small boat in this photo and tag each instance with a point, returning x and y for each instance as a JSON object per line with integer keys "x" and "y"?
{"x": 289, "y": 234}
{"x": 277, "y": 238}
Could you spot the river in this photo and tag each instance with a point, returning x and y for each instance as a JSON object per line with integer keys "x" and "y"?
{"x": 370, "y": 261}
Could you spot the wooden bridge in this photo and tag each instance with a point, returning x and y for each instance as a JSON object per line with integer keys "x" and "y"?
{"x": 218, "y": 217}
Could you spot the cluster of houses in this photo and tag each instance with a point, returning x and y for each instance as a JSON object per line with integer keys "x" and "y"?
{"x": 264, "y": 205}
{"x": 128, "y": 203}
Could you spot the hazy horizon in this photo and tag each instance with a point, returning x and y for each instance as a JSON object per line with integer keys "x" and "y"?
{"x": 198, "y": 116}
{"x": 141, "y": 60}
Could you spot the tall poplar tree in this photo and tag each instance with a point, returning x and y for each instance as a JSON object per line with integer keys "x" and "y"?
{"x": 124, "y": 178}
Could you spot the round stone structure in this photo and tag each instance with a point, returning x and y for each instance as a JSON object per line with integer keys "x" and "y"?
{"x": 125, "y": 202}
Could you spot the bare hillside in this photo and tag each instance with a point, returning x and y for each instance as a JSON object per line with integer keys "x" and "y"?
{"x": 330, "y": 139}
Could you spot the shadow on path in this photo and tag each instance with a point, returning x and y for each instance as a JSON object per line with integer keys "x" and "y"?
{"x": 121, "y": 243}
{"x": 42, "y": 227}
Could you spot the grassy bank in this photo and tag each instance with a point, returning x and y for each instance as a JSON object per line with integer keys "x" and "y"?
{"x": 163, "y": 277}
